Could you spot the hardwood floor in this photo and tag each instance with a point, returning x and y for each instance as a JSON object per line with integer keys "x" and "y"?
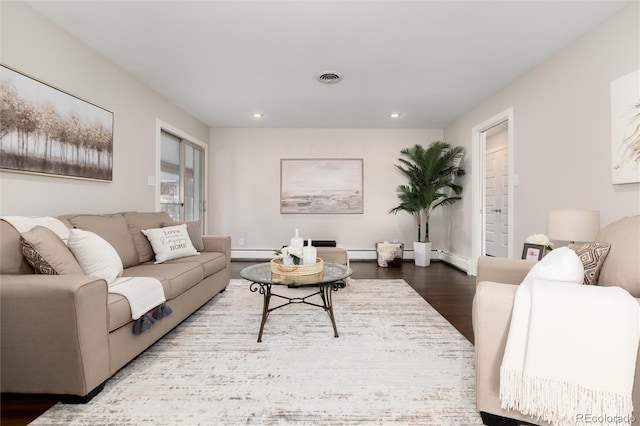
{"x": 449, "y": 290}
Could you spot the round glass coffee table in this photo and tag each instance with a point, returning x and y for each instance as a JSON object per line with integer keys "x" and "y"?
{"x": 262, "y": 281}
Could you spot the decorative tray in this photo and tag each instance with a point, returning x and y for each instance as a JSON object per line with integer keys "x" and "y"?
{"x": 296, "y": 270}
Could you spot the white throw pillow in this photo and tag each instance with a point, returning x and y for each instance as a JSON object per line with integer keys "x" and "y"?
{"x": 171, "y": 242}
{"x": 561, "y": 264}
{"x": 95, "y": 255}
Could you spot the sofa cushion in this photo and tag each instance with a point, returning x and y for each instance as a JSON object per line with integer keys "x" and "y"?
{"x": 47, "y": 253}
{"x": 621, "y": 267}
{"x": 176, "y": 278}
{"x": 112, "y": 228}
{"x": 592, "y": 256}
{"x": 171, "y": 242}
{"x": 194, "y": 229}
{"x": 211, "y": 262}
{"x": 137, "y": 221}
{"x": 95, "y": 255}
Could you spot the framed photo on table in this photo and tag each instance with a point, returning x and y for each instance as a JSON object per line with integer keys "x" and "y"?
{"x": 533, "y": 251}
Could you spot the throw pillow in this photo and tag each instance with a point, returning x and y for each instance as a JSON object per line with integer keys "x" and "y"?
{"x": 112, "y": 228}
{"x": 561, "y": 264}
{"x": 592, "y": 256}
{"x": 47, "y": 254}
{"x": 138, "y": 221}
{"x": 171, "y": 242}
{"x": 95, "y": 255}
{"x": 193, "y": 229}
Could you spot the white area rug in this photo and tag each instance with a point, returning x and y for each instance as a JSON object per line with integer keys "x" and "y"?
{"x": 397, "y": 361}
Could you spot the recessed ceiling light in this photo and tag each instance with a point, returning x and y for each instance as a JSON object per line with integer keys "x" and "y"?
{"x": 395, "y": 115}
{"x": 257, "y": 115}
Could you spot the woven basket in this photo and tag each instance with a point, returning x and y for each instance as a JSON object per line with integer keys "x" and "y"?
{"x": 297, "y": 279}
{"x": 296, "y": 270}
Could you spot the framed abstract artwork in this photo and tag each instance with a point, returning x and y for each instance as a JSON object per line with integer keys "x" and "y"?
{"x": 625, "y": 129}
{"x": 44, "y": 130}
{"x": 327, "y": 185}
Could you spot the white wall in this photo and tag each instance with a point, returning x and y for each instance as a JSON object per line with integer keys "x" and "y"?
{"x": 245, "y": 182}
{"x": 562, "y": 131}
{"x": 561, "y": 125}
{"x": 35, "y": 46}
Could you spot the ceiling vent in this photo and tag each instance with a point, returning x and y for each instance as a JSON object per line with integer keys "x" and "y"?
{"x": 329, "y": 77}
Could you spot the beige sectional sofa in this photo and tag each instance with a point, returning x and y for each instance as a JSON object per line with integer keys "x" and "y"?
{"x": 498, "y": 281}
{"x": 65, "y": 334}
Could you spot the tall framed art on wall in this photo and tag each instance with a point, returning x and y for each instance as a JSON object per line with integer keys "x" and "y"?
{"x": 625, "y": 128}
{"x": 44, "y": 130}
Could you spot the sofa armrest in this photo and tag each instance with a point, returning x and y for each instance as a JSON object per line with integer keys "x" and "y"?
{"x": 491, "y": 317}
{"x": 502, "y": 270}
{"x": 492, "y": 306}
{"x": 55, "y": 335}
{"x": 219, "y": 243}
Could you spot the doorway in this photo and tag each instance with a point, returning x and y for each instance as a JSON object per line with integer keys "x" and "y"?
{"x": 492, "y": 221}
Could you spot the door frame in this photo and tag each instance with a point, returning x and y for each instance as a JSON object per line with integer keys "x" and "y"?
{"x": 160, "y": 126}
{"x": 479, "y": 150}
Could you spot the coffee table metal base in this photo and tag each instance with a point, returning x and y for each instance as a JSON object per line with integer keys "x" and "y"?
{"x": 325, "y": 290}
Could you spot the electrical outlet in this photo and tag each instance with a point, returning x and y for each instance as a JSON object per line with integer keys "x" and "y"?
{"x": 241, "y": 241}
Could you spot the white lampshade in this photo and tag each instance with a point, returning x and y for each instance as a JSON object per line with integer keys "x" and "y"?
{"x": 573, "y": 225}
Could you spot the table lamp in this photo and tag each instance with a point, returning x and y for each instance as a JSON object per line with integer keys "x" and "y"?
{"x": 573, "y": 225}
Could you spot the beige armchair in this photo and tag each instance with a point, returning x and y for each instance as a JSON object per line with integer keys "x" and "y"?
{"x": 498, "y": 281}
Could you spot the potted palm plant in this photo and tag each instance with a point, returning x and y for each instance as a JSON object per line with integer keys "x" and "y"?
{"x": 431, "y": 173}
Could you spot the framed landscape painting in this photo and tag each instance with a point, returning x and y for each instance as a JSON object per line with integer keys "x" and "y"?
{"x": 321, "y": 186}
{"x": 44, "y": 130}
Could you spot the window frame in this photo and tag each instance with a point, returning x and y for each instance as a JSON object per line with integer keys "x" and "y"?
{"x": 162, "y": 126}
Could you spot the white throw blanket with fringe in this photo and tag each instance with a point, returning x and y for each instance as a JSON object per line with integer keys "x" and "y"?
{"x": 571, "y": 350}
{"x": 24, "y": 224}
{"x": 143, "y": 293}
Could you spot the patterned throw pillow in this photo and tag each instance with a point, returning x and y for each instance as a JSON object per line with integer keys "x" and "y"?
{"x": 47, "y": 253}
{"x": 592, "y": 256}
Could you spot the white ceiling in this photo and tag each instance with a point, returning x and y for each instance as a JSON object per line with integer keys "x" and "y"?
{"x": 431, "y": 61}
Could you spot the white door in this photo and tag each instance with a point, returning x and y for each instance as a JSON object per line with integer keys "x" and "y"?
{"x": 496, "y": 200}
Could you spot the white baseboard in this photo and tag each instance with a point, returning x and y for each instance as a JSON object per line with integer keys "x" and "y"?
{"x": 364, "y": 254}
{"x": 252, "y": 254}
{"x": 460, "y": 262}
{"x": 456, "y": 260}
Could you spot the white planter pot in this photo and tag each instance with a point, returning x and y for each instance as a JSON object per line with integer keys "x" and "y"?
{"x": 422, "y": 253}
